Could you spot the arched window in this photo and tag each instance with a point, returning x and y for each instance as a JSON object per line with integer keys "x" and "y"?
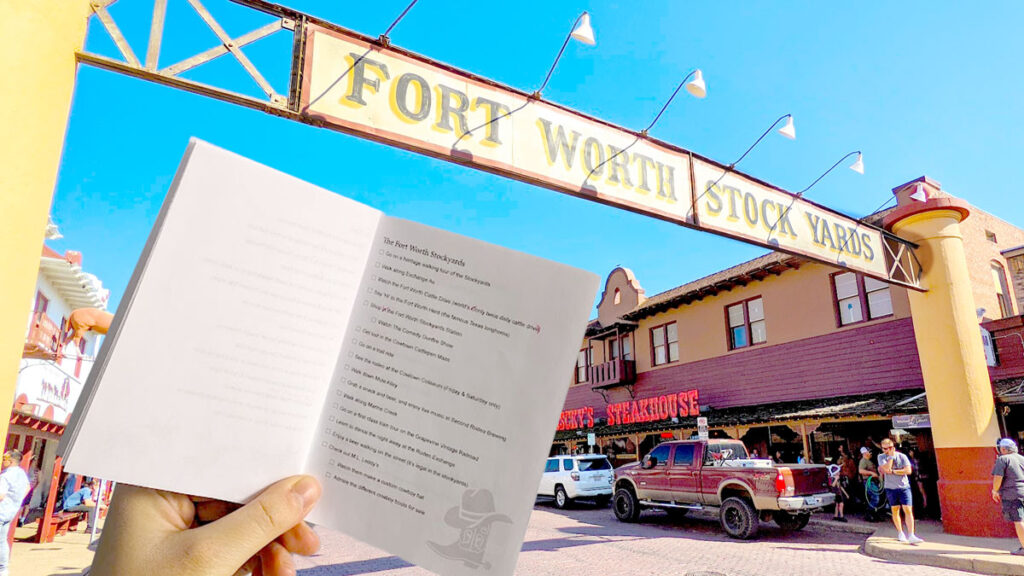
{"x": 618, "y": 297}
{"x": 1002, "y": 290}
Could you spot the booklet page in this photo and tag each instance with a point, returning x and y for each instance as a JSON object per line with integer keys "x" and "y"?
{"x": 446, "y": 396}
{"x": 215, "y": 380}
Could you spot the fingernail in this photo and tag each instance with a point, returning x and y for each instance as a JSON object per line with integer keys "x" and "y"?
{"x": 308, "y": 489}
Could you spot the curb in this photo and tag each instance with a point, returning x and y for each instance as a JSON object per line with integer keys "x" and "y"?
{"x": 843, "y": 526}
{"x": 883, "y": 548}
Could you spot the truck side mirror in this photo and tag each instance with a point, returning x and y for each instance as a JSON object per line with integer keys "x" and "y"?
{"x": 649, "y": 462}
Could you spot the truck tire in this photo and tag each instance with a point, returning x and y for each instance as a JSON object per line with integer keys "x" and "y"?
{"x": 562, "y": 499}
{"x": 791, "y": 522}
{"x": 739, "y": 518}
{"x": 626, "y": 505}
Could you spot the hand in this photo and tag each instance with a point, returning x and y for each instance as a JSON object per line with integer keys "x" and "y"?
{"x": 165, "y": 534}
{"x": 995, "y": 496}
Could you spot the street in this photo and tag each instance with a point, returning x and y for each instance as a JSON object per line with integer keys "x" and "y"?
{"x": 591, "y": 540}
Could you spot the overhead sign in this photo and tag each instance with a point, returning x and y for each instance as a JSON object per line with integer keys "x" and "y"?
{"x": 677, "y": 405}
{"x": 911, "y": 421}
{"x": 393, "y": 96}
{"x": 423, "y": 106}
{"x": 737, "y": 206}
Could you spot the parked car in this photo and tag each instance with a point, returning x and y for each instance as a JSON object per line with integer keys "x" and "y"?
{"x": 567, "y": 478}
{"x": 718, "y": 474}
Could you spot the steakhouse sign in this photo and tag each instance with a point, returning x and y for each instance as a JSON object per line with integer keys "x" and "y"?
{"x": 402, "y": 99}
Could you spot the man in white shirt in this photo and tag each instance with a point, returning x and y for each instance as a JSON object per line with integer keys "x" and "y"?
{"x": 13, "y": 489}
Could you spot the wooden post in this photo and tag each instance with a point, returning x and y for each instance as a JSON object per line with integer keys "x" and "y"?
{"x": 43, "y": 534}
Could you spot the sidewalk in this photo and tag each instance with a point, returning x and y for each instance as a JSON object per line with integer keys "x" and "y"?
{"x": 978, "y": 555}
{"x": 67, "y": 555}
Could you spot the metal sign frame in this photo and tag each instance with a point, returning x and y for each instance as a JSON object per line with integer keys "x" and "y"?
{"x": 901, "y": 265}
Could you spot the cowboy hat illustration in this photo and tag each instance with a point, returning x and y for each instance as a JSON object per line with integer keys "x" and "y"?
{"x": 473, "y": 518}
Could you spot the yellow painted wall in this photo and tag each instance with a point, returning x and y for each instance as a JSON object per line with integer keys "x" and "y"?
{"x": 38, "y": 39}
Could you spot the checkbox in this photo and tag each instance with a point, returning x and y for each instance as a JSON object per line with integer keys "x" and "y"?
{"x": 324, "y": 444}
{"x": 374, "y": 277}
{"x": 327, "y": 431}
{"x": 369, "y": 290}
{"x": 381, "y": 252}
{"x": 336, "y": 404}
{"x": 366, "y": 303}
{"x": 331, "y": 418}
{"x": 332, "y": 462}
{"x": 355, "y": 341}
{"x": 377, "y": 265}
{"x": 327, "y": 474}
{"x": 373, "y": 320}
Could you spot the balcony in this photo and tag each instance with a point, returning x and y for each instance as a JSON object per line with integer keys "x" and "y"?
{"x": 43, "y": 339}
{"x": 612, "y": 374}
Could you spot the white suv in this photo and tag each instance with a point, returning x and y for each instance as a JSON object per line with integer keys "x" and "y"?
{"x": 567, "y": 478}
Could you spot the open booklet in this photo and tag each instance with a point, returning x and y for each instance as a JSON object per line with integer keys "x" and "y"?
{"x": 273, "y": 328}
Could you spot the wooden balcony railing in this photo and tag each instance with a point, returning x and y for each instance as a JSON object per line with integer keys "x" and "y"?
{"x": 43, "y": 339}
{"x": 614, "y": 373}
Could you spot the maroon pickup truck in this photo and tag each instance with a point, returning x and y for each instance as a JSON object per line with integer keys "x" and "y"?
{"x": 698, "y": 474}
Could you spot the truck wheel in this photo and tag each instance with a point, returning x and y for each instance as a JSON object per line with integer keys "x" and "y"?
{"x": 791, "y": 522}
{"x": 738, "y": 518}
{"x": 562, "y": 499}
{"x": 626, "y": 505}
{"x": 602, "y": 501}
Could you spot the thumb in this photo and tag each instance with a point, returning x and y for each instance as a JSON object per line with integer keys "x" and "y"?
{"x": 240, "y": 535}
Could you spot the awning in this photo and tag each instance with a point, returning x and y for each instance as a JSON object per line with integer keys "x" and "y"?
{"x": 1009, "y": 391}
{"x": 883, "y": 405}
{"x": 31, "y": 425}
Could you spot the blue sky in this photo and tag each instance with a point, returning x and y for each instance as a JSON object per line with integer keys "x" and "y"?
{"x": 922, "y": 88}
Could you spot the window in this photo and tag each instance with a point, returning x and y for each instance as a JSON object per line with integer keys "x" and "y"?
{"x": 582, "y": 363}
{"x": 665, "y": 344}
{"x": 78, "y": 361}
{"x": 1002, "y": 292}
{"x": 683, "y": 455}
{"x": 595, "y": 464}
{"x": 856, "y": 295}
{"x": 42, "y": 303}
{"x": 746, "y": 323}
{"x": 623, "y": 342}
{"x": 991, "y": 236}
{"x": 618, "y": 297}
{"x": 661, "y": 453}
{"x": 567, "y": 464}
{"x": 552, "y": 465}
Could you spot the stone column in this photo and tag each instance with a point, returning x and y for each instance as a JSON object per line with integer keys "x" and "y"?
{"x": 960, "y": 403}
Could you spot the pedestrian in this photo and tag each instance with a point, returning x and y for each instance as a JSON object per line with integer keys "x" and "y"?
{"x": 1008, "y": 486}
{"x": 13, "y": 488}
{"x": 866, "y": 467}
{"x": 836, "y": 482}
{"x": 85, "y": 500}
{"x": 778, "y": 457}
{"x": 895, "y": 469}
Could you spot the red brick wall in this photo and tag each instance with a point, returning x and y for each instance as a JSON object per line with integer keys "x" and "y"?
{"x": 876, "y": 358}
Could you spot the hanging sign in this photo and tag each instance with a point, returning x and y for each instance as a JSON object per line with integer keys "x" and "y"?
{"x": 738, "y": 206}
{"x": 390, "y": 95}
{"x": 702, "y": 428}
